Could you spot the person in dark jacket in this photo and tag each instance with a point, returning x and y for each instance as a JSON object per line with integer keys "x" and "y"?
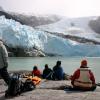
{"x": 47, "y": 72}
{"x": 4, "y": 63}
{"x": 58, "y": 71}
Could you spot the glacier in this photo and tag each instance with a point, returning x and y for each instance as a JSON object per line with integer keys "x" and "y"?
{"x": 16, "y": 35}
{"x": 72, "y": 26}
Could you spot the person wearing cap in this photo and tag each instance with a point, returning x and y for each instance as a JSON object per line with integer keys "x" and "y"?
{"x": 4, "y": 63}
{"x": 58, "y": 73}
{"x": 83, "y": 78}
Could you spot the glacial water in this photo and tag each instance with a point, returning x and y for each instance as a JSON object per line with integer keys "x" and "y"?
{"x": 69, "y": 64}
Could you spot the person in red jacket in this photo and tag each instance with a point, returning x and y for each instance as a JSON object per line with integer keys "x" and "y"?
{"x": 36, "y": 71}
{"x": 83, "y": 78}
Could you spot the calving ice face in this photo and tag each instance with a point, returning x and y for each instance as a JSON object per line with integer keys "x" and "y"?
{"x": 17, "y": 35}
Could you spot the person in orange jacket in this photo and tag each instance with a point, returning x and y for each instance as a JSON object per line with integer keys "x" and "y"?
{"x": 83, "y": 78}
{"x": 36, "y": 71}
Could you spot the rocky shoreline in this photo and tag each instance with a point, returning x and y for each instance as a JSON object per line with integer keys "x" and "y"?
{"x": 49, "y": 90}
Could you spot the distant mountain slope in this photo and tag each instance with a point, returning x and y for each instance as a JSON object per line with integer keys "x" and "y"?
{"x": 95, "y": 25}
{"x": 31, "y": 20}
{"x": 67, "y": 24}
{"x": 36, "y": 20}
{"x": 9, "y": 16}
{"x": 78, "y": 29}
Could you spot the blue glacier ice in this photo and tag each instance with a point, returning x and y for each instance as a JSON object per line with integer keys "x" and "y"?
{"x": 16, "y": 35}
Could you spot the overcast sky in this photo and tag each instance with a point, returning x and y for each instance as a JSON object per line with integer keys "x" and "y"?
{"x": 69, "y": 8}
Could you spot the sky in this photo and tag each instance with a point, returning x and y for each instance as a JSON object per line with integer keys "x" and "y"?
{"x": 69, "y": 8}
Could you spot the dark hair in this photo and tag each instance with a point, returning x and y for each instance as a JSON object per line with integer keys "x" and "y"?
{"x": 58, "y": 63}
{"x": 46, "y": 65}
{"x": 35, "y": 68}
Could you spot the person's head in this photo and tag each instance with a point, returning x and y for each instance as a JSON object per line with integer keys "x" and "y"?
{"x": 58, "y": 63}
{"x": 84, "y": 63}
{"x": 46, "y": 66}
{"x": 35, "y": 67}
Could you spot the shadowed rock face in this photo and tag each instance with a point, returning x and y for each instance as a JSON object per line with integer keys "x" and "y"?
{"x": 30, "y": 20}
{"x": 22, "y": 52}
{"x": 36, "y": 20}
{"x": 95, "y": 25}
{"x": 75, "y": 38}
{"x": 8, "y": 16}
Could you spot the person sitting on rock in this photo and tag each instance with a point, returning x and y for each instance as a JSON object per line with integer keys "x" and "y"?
{"x": 58, "y": 71}
{"x": 83, "y": 78}
{"x": 36, "y": 71}
{"x": 47, "y": 72}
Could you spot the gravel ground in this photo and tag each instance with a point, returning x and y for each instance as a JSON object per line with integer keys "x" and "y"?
{"x": 47, "y": 90}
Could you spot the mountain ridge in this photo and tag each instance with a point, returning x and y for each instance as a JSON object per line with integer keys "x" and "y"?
{"x": 30, "y": 20}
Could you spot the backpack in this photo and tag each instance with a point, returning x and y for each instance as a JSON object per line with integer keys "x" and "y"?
{"x": 28, "y": 85}
{"x": 14, "y": 87}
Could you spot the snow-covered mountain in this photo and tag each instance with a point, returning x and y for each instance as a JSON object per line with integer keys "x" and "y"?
{"x": 79, "y": 27}
{"x": 16, "y": 35}
{"x": 75, "y": 26}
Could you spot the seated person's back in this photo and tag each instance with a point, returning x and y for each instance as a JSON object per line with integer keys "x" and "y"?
{"x": 58, "y": 71}
{"x": 83, "y": 78}
{"x": 47, "y": 72}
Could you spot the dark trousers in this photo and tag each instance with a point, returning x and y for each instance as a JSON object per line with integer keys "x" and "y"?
{"x": 80, "y": 89}
{"x": 4, "y": 74}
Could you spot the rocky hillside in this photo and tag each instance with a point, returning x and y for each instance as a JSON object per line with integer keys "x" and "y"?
{"x": 30, "y": 20}
{"x": 33, "y": 21}
{"x": 95, "y": 25}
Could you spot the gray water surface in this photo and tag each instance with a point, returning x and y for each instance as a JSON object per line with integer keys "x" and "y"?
{"x": 69, "y": 64}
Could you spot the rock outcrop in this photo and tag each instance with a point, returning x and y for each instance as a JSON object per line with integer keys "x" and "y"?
{"x": 46, "y": 90}
{"x": 22, "y": 52}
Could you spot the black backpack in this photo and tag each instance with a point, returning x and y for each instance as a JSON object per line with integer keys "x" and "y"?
{"x": 28, "y": 85}
{"x": 15, "y": 86}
